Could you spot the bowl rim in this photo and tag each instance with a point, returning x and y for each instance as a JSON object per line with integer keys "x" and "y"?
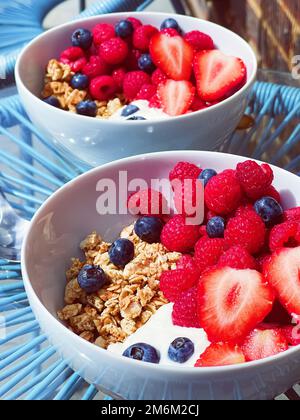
{"x": 153, "y": 368}
{"x": 250, "y": 79}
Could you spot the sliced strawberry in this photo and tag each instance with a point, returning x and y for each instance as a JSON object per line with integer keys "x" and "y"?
{"x": 232, "y": 302}
{"x": 221, "y": 354}
{"x": 176, "y": 97}
{"x": 172, "y": 55}
{"x": 217, "y": 74}
{"x": 262, "y": 343}
{"x": 282, "y": 272}
{"x": 292, "y": 334}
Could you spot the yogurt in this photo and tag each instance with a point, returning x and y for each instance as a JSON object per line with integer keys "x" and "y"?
{"x": 159, "y": 332}
{"x": 144, "y": 111}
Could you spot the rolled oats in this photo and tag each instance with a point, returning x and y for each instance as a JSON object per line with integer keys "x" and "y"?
{"x": 127, "y": 301}
{"x": 57, "y": 83}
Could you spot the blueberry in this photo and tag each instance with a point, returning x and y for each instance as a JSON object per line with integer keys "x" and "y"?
{"x": 87, "y": 108}
{"x": 91, "y": 278}
{"x": 129, "y": 110}
{"x": 149, "y": 229}
{"x": 121, "y": 252}
{"x": 143, "y": 352}
{"x": 215, "y": 227}
{"x": 170, "y": 23}
{"x": 181, "y": 350}
{"x": 207, "y": 174}
{"x": 80, "y": 81}
{"x": 136, "y": 119}
{"x": 269, "y": 210}
{"x": 53, "y": 101}
{"x": 124, "y": 29}
{"x": 146, "y": 64}
{"x": 82, "y": 38}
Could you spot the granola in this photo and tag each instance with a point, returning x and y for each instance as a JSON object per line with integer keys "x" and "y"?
{"x": 127, "y": 301}
{"x": 57, "y": 83}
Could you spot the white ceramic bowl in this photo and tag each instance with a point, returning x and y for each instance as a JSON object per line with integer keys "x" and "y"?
{"x": 55, "y": 232}
{"x": 96, "y": 141}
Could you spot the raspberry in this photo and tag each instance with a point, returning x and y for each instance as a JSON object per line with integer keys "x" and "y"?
{"x": 119, "y": 75}
{"x": 78, "y": 65}
{"x": 184, "y": 170}
{"x": 203, "y": 231}
{"x": 133, "y": 83}
{"x": 188, "y": 196}
{"x": 142, "y": 37}
{"x": 103, "y": 32}
{"x": 199, "y": 40}
{"x": 74, "y": 57}
{"x": 254, "y": 179}
{"x": 178, "y": 236}
{"x": 147, "y": 92}
{"x": 132, "y": 61}
{"x": 248, "y": 231}
{"x": 223, "y": 193}
{"x": 185, "y": 310}
{"x": 136, "y": 23}
{"x": 72, "y": 54}
{"x": 286, "y": 234}
{"x": 292, "y": 215}
{"x": 170, "y": 32}
{"x": 244, "y": 208}
{"x": 147, "y": 203}
{"x": 198, "y": 104}
{"x": 174, "y": 282}
{"x": 155, "y": 102}
{"x": 209, "y": 215}
{"x": 237, "y": 257}
{"x": 95, "y": 67}
{"x": 187, "y": 262}
{"x": 158, "y": 77}
{"x": 103, "y": 88}
{"x": 208, "y": 252}
{"x": 272, "y": 192}
{"x": 114, "y": 51}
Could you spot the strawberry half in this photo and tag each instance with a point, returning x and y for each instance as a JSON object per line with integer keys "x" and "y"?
{"x": 232, "y": 303}
{"x": 262, "y": 343}
{"x": 176, "y": 97}
{"x": 217, "y": 74}
{"x": 172, "y": 55}
{"x": 221, "y": 354}
{"x": 282, "y": 272}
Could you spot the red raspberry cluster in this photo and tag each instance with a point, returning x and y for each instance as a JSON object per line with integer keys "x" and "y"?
{"x": 233, "y": 285}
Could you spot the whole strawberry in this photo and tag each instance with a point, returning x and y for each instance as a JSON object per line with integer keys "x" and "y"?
{"x": 178, "y": 236}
